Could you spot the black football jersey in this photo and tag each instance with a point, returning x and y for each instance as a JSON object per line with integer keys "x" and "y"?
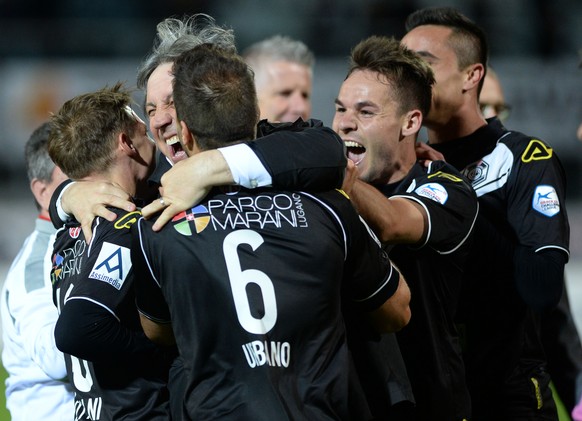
{"x": 251, "y": 281}
{"x": 434, "y": 271}
{"x": 121, "y": 384}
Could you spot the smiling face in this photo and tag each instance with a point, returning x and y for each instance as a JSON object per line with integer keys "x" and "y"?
{"x": 284, "y": 91}
{"x": 368, "y": 121}
{"x": 431, "y": 42}
{"x": 161, "y": 112}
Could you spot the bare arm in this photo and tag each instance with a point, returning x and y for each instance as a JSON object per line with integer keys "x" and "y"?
{"x": 87, "y": 199}
{"x": 159, "y": 333}
{"x": 396, "y": 220}
{"x": 187, "y": 183}
{"x": 394, "y": 314}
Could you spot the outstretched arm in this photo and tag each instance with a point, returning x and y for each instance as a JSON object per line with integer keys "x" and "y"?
{"x": 84, "y": 200}
{"x": 299, "y": 156}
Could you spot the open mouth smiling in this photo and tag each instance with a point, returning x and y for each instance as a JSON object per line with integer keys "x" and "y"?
{"x": 175, "y": 147}
{"x": 355, "y": 151}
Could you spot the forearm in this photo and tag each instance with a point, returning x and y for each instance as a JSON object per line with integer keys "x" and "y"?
{"x": 393, "y": 221}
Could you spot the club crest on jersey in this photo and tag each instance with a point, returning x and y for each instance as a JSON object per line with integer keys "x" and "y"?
{"x": 536, "y": 151}
{"x": 433, "y": 191}
{"x": 197, "y": 218}
{"x": 545, "y": 201}
{"x": 74, "y": 232}
{"x": 112, "y": 265}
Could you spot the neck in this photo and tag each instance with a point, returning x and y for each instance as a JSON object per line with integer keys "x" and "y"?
{"x": 465, "y": 122}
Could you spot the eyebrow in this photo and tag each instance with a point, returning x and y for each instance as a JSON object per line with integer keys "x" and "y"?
{"x": 426, "y": 54}
{"x": 359, "y": 105}
{"x": 166, "y": 99}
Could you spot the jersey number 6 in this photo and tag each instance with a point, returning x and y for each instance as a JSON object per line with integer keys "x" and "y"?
{"x": 239, "y": 279}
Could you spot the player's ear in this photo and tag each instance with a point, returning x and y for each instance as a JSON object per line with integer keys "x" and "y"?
{"x": 412, "y": 123}
{"x": 188, "y": 139}
{"x": 474, "y": 74}
{"x": 125, "y": 143}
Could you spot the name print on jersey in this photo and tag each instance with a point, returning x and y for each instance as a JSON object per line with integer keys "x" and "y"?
{"x": 236, "y": 212}
{"x": 68, "y": 262}
{"x": 88, "y": 409}
{"x": 275, "y": 354}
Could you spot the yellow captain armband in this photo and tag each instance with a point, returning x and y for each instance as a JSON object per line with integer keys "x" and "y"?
{"x": 344, "y": 193}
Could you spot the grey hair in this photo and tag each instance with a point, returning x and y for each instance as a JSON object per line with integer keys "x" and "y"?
{"x": 38, "y": 162}
{"x": 175, "y": 36}
{"x": 278, "y": 48}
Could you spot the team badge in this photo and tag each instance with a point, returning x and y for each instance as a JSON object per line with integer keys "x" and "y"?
{"x": 545, "y": 201}
{"x": 536, "y": 151}
{"x": 74, "y": 232}
{"x": 197, "y": 218}
{"x": 433, "y": 191}
{"x": 112, "y": 265}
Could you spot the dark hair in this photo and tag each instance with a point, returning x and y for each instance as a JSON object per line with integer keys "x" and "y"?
{"x": 83, "y": 132}
{"x": 409, "y": 76}
{"x": 467, "y": 40}
{"x": 214, "y": 94}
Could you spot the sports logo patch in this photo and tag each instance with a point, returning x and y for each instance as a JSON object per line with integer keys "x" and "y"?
{"x": 199, "y": 216}
{"x": 545, "y": 201}
{"x": 433, "y": 191}
{"x": 536, "y": 151}
{"x": 112, "y": 265}
{"x": 74, "y": 232}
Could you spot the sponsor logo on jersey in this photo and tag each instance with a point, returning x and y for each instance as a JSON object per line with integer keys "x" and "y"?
{"x": 545, "y": 200}
{"x": 112, "y": 265}
{"x": 279, "y": 210}
{"x": 127, "y": 220}
{"x": 274, "y": 354}
{"x": 67, "y": 262}
{"x": 74, "y": 232}
{"x": 197, "y": 218}
{"x": 433, "y": 191}
{"x": 536, "y": 151}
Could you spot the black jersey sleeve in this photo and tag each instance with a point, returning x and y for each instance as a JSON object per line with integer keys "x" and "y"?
{"x": 148, "y": 294}
{"x": 450, "y": 203}
{"x": 89, "y": 331}
{"x": 369, "y": 276}
{"x": 53, "y": 213}
{"x": 301, "y": 155}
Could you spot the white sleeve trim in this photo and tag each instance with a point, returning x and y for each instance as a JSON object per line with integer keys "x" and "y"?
{"x": 63, "y": 216}
{"x": 246, "y": 168}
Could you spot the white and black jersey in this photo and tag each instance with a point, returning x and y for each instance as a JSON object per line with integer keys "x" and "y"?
{"x": 251, "y": 282}
{"x": 520, "y": 184}
{"x": 434, "y": 271}
{"x": 116, "y": 372}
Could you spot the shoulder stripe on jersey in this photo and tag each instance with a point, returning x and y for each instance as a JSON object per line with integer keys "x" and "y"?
{"x": 139, "y": 227}
{"x": 93, "y": 234}
{"x": 337, "y": 218}
{"x": 466, "y": 236}
{"x": 386, "y": 280}
{"x": 429, "y": 220}
{"x": 94, "y": 302}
